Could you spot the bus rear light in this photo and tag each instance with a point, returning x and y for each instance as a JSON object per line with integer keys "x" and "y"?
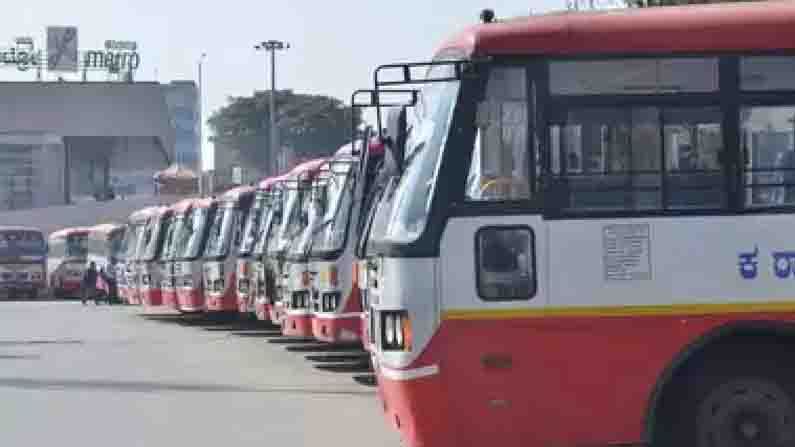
{"x": 305, "y": 279}
{"x": 396, "y": 331}
{"x": 355, "y": 277}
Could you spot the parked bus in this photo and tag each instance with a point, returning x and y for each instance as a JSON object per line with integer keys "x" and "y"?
{"x": 295, "y": 187}
{"x": 220, "y": 253}
{"x": 23, "y": 262}
{"x": 188, "y": 264}
{"x": 265, "y": 291}
{"x": 297, "y": 298}
{"x": 177, "y": 232}
{"x": 66, "y": 262}
{"x": 255, "y": 231}
{"x": 590, "y": 242}
{"x": 140, "y": 221}
{"x": 105, "y": 243}
{"x": 337, "y": 310}
{"x": 151, "y": 273}
{"x": 125, "y": 279}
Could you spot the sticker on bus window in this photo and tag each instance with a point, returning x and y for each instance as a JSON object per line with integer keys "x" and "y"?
{"x": 626, "y": 252}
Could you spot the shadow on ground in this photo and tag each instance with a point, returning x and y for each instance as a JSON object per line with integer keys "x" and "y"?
{"x": 155, "y": 387}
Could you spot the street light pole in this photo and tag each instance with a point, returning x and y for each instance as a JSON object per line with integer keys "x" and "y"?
{"x": 272, "y": 46}
{"x": 201, "y": 109}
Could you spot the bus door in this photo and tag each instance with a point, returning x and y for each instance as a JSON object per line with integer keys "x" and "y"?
{"x": 492, "y": 262}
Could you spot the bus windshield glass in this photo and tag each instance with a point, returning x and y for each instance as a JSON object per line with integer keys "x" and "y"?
{"x": 191, "y": 239}
{"x": 431, "y": 123}
{"x": 330, "y": 235}
{"x": 251, "y": 231}
{"x": 158, "y": 225}
{"x": 271, "y": 224}
{"x": 313, "y": 208}
{"x": 220, "y": 234}
{"x": 175, "y": 230}
{"x": 77, "y": 246}
{"x": 291, "y": 225}
{"x": 131, "y": 237}
{"x": 21, "y": 243}
{"x": 116, "y": 244}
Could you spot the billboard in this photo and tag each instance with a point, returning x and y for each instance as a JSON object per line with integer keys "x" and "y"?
{"x": 62, "y": 48}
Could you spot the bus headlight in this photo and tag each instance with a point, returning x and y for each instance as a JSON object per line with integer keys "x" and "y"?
{"x": 396, "y": 327}
{"x": 389, "y": 329}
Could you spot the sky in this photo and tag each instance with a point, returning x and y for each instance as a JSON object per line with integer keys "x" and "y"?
{"x": 335, "y": 45}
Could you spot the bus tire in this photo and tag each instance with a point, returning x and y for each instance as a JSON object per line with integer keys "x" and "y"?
{"x": 745, "y": 399}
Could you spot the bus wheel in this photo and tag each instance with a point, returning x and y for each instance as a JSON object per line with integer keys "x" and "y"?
{"x": 745, "y": 400}
{"x": 746, "y": 412}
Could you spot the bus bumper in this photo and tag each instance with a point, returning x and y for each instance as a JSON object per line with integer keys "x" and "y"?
{"x": 263, "y": 310}
{"x": 337, "y": 328}
{"x": 190, "y": 300}
{"x": 297, "y": 324}
{"x": 415, "y": 404}
{"x": 152, "y": 297}
{"x": 170, "y": 298}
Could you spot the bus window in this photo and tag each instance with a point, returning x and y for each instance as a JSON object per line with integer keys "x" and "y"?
{"x": 693, "y": 145}
{"x": 633, "y": 76}
{"x": 767, "y": 73}
{"x": 609, "y": 159}
{"x": 768, "y": 143}
{"x": 499, "y": 168}
{"x": 506, "y": 263}
{"x": 615, "y": 158}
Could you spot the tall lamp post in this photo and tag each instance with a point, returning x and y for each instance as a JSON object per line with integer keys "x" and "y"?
{"x": 201, "y": 108}
{"x": 273, "y": 46}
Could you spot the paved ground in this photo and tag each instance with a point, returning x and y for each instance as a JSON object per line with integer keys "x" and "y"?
{"x": 106, "y": 376}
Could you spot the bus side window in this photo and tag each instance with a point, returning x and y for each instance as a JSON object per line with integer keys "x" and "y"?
{"x": 499, "y": 167}
{"x": 505, "y": 263}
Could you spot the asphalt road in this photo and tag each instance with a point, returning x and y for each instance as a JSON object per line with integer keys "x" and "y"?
{"x": 108, "y": 376}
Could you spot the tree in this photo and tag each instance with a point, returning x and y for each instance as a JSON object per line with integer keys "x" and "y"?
{"x": 602, "y": 4}
{"x": 650, "y": 3}
{"x": 312, "y": 125}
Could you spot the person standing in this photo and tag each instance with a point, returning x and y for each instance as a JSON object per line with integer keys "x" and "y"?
{"x": 89, "y": 285}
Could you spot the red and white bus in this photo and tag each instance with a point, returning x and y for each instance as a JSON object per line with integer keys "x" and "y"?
{"x": 66, "y": 261}
{"x": 287, "y": 227}
{"x": 590, "y": 242}
{"x": 136, "y": 225}
{"x": 296, "y": 295}
{"x": 265, "y": 291}
{"x": 105, "y": 249}
{"x": 151, "y": 273}
{"x": 189, "y": 263}
{"x": 176, "y": 233}
{"x": 254, "y": 235}
{"x": 338, "y": 309}
{"x": 220, "y": 253}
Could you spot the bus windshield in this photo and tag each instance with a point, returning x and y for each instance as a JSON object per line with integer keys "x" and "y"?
{"x": 191, "y": 239}
{"x": 412, "y": 196}
{"x": 175, "y": 230}
{"x": 220, "y": 234}
{"x": 251, "y": 231}
{"x": 290, "y": 225}
{"x": 313, "y": 208}
{"x": 380, "y": 215}
{"x": 77, "y": 246}
{"x": 21, "y": 243}
{"x": 131, "y": 237}
{"x": 272, "y": 220}
{"x": 159, "y": 226}
{"x": 330, "y": 235}
{"x": 116, "y": 244}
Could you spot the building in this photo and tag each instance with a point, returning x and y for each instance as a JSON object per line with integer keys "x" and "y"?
{"x": 62, "y": 142}
{"x": 182, "y": 100}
